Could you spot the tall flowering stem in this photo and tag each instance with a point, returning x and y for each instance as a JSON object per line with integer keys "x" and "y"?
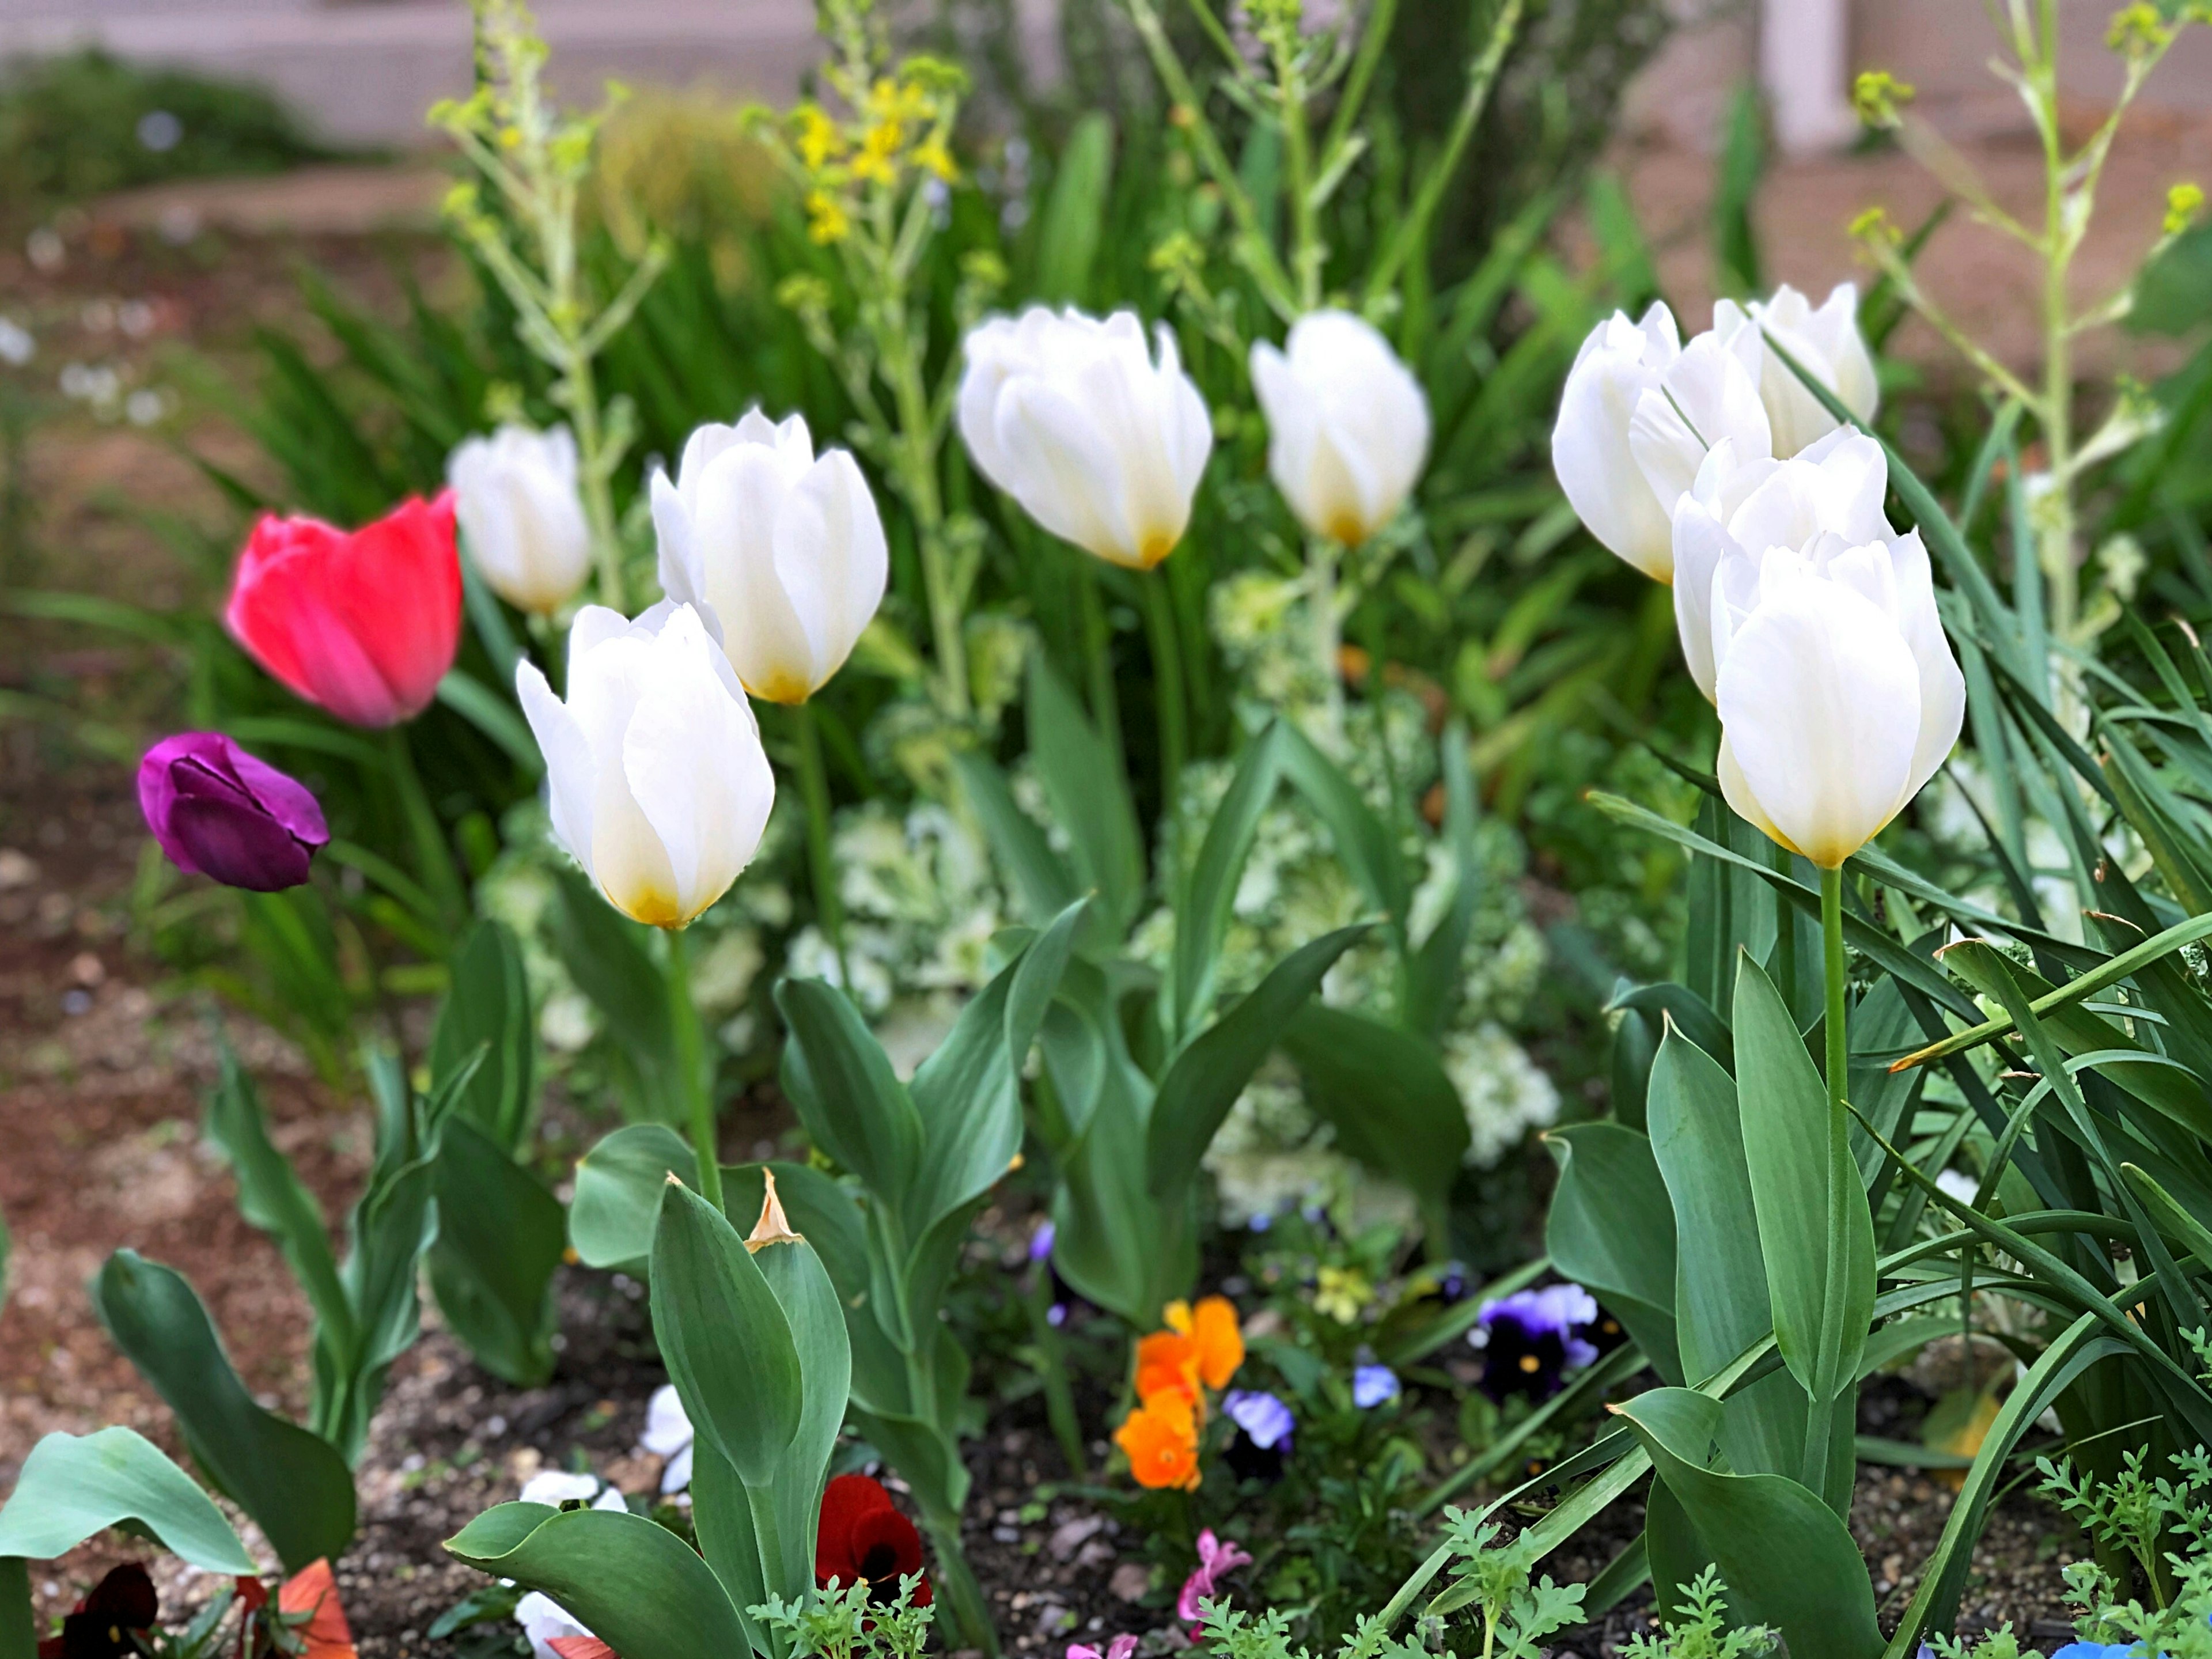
{"x": 874, "y": 167}
{"x": 1842, "y": 1169}
{"x": 691, "y": 1062}
{"x": 535, "y": 159}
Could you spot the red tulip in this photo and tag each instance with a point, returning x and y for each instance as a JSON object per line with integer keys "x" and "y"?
{"x": 314, "y": 1592}
{"x": 364, "y": 623}
{"x": 861, "y": 1536}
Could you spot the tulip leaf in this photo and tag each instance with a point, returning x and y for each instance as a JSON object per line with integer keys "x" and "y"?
{"x": 1087, "y": 785}
{"x": 617, "y": 1198}
{"x": 1393, "y": 1107}
{"x": 1209, "y": 891}
{"x": 494, "y": 716}
{"x": 1611, "y": 1230}
{"x": 1786, "y": 1142}
{"x": 815, "y": 1317}
{"x": 1076, "y": 211}
{"x": 293, "y": 1484}
{"x": 1436, "y": 982}
{"x": 501, "y": 1236}
{"x": 1364, "y": 845}
{"x": 726, "y": 1338}
{"x": 722, "y": 1521}
{"x": 841, "y": 1082}
{"x": 1206, "y": 1076}
{"x": 1788, "y": 1559}
{"x": 391, "y": 1226}
{"x": 600, "y": 948}
{"x": 1041, "y": 879}
{"x": 1692, "y": 1014}
{"x": 488, "y": 1008}
{"x": 72, "y": 1488}
{"x": 639, "y": 1588}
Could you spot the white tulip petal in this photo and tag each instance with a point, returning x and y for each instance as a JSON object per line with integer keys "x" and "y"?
{"x": 1348, "y": 426}
{"x": 1821, "y": 700}
{"x": 1700, "y": 544}
{"x": 569, "y": 762}
{"x": 1596, "y": 467}
{"x": 667, "y": 1425}
{"x": 1069, "y": 476}
{"x": 831, "y": 559}
{"x": 677, "y": 1475}
{"x": 740, "y": 499}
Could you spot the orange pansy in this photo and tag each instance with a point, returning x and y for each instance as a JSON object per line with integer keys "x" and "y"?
{"x": 1214, "y": 1336}
{"x": 1161, "y": 1440}
{"x": 312, "y": 1590}
{"x": 1168, "y": 1363}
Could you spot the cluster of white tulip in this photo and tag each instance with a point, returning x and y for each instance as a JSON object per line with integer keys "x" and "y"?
{"x": 773, "y": 561}
{"x": 1807, "y": 620}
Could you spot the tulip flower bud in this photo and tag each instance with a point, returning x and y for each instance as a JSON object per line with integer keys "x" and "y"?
{"x": 1099, "y": 444}
{"x": 364, "y": 623}
{"x": 1826, "y": 344}
{"x": 1838, "y": 694}
{"x": 1638, "y": 417}
{"x": 781, "y": 554}
{"x": 218, "y": 811}
{"x": 515, "y": 495}
{"x": 1347, "y": 425}
{"x": 660, "y": 787}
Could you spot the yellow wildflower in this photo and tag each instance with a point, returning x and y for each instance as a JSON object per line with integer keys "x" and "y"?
{"x": 931, "y": 156}
{"x": 818, "y": 138}
{"x": 826, "y": 218}
{"x": 876, "y": 159}
{"x": 2182, "y": 203}
{"x": 1341, "y": 1294}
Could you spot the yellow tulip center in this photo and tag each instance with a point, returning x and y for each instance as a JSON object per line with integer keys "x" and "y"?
{"x": 652, "y": 907}
{"x": 1346, "y": 528}
{"x": 781, "y": 686}
{"x": 1156, "y": 546}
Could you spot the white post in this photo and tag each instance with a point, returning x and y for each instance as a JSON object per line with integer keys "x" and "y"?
{"x": 1804, "y": 63}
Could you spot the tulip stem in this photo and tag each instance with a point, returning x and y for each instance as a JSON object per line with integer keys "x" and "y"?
{"x": 1322, "y": 553}
{"x": 814, "y": 780}
{"x": 691, "y": 1062}
{"x": 1167, "y": 685}
{"x": 1843, "y": 1186}
{"x": 1098, "y": 655}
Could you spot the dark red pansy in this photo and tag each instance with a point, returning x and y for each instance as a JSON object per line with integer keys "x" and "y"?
{"x": 104, "y": 1625}
{"x": 863, "y": 1536}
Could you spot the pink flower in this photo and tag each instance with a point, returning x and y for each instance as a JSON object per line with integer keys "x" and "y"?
{"x": 1122, "y": 1647}
{"x": 1217, "y": 1559}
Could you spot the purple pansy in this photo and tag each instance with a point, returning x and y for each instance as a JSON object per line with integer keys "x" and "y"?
{"x": 1373, "y": 1384}
{"x": 1530, "y": 1338}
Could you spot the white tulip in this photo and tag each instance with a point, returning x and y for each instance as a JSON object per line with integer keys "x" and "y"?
{"x": 514, "y": 495}
{"x": 1072, "y": 417}
{"x": 1347, "y": 424}
{"x": 1826, "y": 343}
{"x": 668, "y": 1432}
{"x": 554, "y": 1487}
{"x": 545, "y": 1620}
{"x": 1637, "y": 419}
{"x": 1838, "y": 694}
{"x": 1741, "y": 510}
{"x": 782, "y": 553}
{"x": 661, "y": 788}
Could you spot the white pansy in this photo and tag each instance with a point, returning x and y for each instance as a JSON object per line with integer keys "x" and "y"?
{"x": 1827, "y": 345}
{"x": 668, "y": 1434}
{"x": 554, "y": 1487}
{"x": 1838, "y": 694}
{"x": 782, "y": 551}
{"x": 1638, "y": 417}
{"x": 660, "y": 787}
{"x": 1099, "y": 443}
{"x": 545, "y": 1620}
{"x": 1744, "y": 509}
{"x": 1347, "y": 424}
{"x": 521, "y": 520}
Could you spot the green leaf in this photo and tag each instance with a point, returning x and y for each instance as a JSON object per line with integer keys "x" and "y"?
{"x": 1075, "y": 211}
{"x": 600, "y": 948}
{"x": 1436, "y": 980}
{"x": 296, "y": 1486}
{"x": 841, "y": 1082}
{"x": 493, "y": 715}
{"x": 791, "y": 1506}
{"x": 1041, "y": 879}
{"x": 1392, "y": 1105}
{"x": 1364, "y": 845}
{"x": 1206, "y": 1076}
{"x": 488, "y": 1008}
{"x": 616, "y": 1202}
{"x": 1787, "y": 1147}
{"x": 1789, "y": 1561}
{"x": 391, "y": 1226}
{"x": 1087, "y": 785}
{"x": 1611, "y": 1230}
{"x": 72, "y": 1488}
{"x": 726, "y": 1339}
{"x": 272, "y": 1197}
{"x": 501, "y": 1236}
{"x": 638, "y": 1587}
{"x": 1202, "y": 918}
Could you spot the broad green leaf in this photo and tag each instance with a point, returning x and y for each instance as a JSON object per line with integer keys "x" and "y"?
{"x": 1612, "y": 1230}
{"x": 1076, "y": 210}
{"x": 487, "y": 1008}
{"x": 1364, "y": 845}
{"x": 616, "y": 1202}
{"x": 1202, "y": 918}
{"x": 1787, "y": 1147}
{"x": 296, "y": 1486}
{"x": 638, "y": 1587}
{"x": 727, "y": 1343}
{"x": 72, "y": 1488}
{"x": 272, "y": 1197}
{"x": 1206, "y": 1076}
{"x": 1087, "y": 785}
{"x": 1789, "y": 1561}
{"x": 1392, "y": 1105}
{"x": 842, "y": 1084}
{"x": 600, "y": 948}
{"x": 392, "y": 1227}
{"x": 722, "y": 1522}
{"x": 2194, "y": 1235}
{"x": 1040, "y": 877}
{"x": 501, "y": 1236}
{"x": 1691, "y": 1015}
{"x": 792, "y": 1502}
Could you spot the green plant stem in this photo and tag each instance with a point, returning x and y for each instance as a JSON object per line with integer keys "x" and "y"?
{"x": 1098, "y": 656}
{"x": 913, "y": 450}
{"x": 814, "y": 780}
{"x": 1821, "y": 1414}
{"x": 1167, "y": 683}
{"x": 691, "y": 1062}
{"x": 591, "y": 470}
{"x": 1323, "y": 554}
{"x": 434, "y": 856}
{"x": 957, "y": 1579}
{"x": 1051, "y": 1371}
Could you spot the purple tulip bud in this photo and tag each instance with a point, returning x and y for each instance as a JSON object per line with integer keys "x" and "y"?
{"x": 218, "y": 811}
